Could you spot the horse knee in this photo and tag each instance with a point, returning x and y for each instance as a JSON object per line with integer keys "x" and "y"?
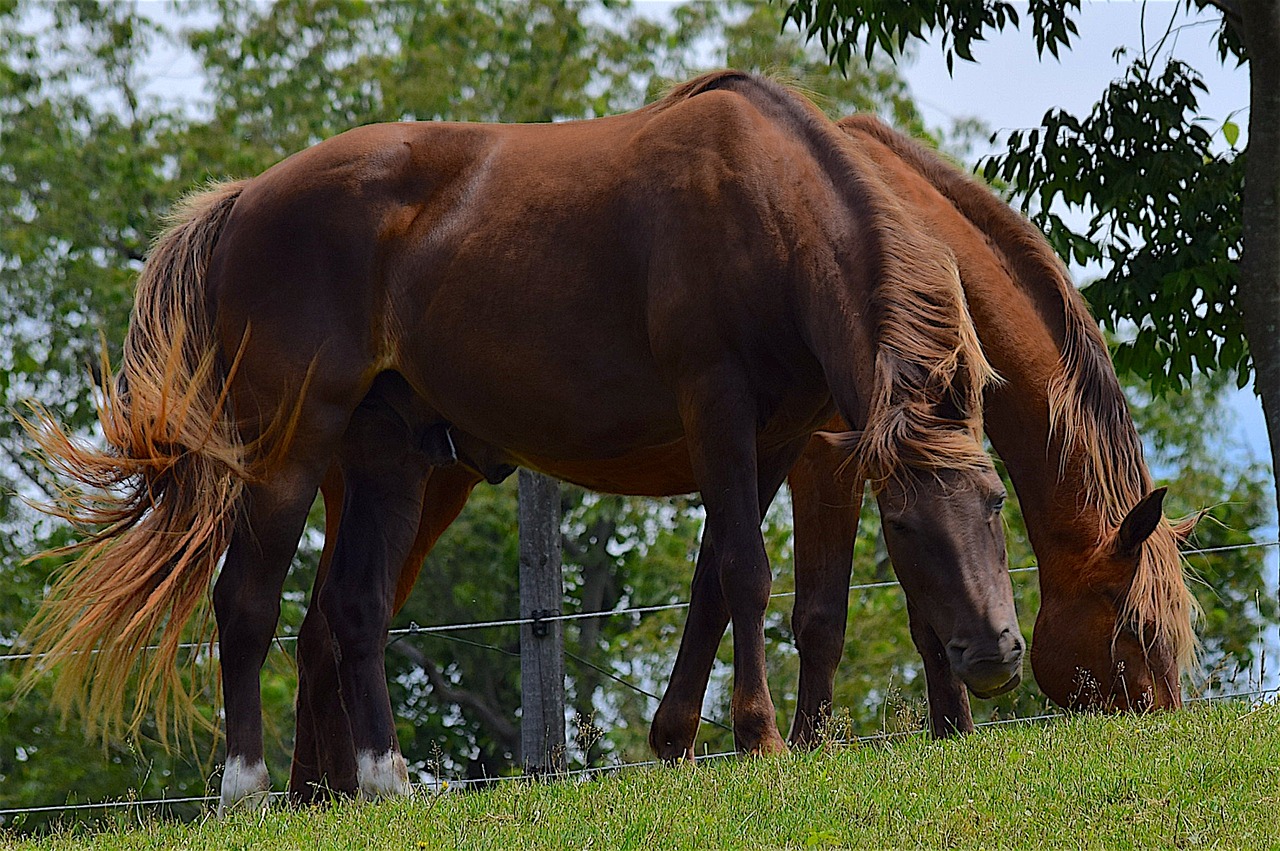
{"x": 819, "y": 626}
{"x": 356, "y": 621}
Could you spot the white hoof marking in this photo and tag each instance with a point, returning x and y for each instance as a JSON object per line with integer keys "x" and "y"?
{"x": 245, "y": 786}
{"x": 384, "y": 776}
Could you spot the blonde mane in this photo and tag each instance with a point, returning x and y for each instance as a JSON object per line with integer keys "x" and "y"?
{"x": 928, "y": 359}
{"x": 1088, "y": 411}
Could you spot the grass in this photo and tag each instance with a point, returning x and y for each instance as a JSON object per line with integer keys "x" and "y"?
{"x": 1207, "y": 776}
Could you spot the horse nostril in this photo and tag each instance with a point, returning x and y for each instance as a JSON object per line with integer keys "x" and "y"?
{"x": 1011, "y": 643}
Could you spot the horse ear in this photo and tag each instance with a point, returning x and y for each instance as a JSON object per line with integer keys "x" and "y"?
{"x": 1140, "y": 522}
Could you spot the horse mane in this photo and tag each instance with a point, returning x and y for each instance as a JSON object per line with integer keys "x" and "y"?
{"x": 925, "y": 404}
{"x": 1088, "y": 411}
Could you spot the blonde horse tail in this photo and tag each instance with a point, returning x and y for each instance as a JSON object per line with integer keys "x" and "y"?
{"x": 156, "y": 507}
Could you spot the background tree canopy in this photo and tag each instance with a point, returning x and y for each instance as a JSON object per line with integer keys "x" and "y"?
{"x": 91, "y": 158}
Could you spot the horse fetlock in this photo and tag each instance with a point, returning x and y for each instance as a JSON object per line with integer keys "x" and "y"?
{"x": 759, "y": 739}
{"x": 755, "y": 729}
{"x": 382, "y": 776}
{"x": 245, "y": 786}
{"x": 672, "y": 734}
{"x": 808, "y": 728}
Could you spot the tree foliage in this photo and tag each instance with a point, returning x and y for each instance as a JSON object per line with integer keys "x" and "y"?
{"x": 1165, "y": 219}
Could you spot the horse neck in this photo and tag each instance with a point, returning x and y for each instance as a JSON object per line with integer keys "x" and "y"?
{"x": 1063, "y": 523}
{"x": 1024, "y": 309}
{"x": 1022, "y": 337}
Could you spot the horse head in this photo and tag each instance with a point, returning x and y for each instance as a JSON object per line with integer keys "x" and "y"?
{"x": 1114, "y": 632}
{"x": 944, "y": 533}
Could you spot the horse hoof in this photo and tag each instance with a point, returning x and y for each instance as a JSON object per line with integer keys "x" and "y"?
{"x": 384, "y": 776}
{"x": 768, "y": 743}
{"x": 245, "y": 786}
{"x": 672, "y": 753}
{"x": 771, "y": 746}
{"x": 672, "y": 747}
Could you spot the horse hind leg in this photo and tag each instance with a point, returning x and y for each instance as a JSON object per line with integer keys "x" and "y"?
{"x": 246, "y": 597}
{"x": 385, "y": 474}
{"x": 323, "y": 755}
{"x": 324, "y": 758}
{"x": 246, "y": 601}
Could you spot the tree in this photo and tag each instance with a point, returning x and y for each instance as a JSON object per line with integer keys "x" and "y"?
{"x": 1193, "y": 237}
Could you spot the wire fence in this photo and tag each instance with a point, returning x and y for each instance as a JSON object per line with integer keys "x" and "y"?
{"x": 416, "y": 629}
{"x": 581, "y": 774}
{"x": 442, "y": 630}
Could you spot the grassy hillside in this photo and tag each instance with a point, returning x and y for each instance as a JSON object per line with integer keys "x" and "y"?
{"x": 1206, "y": 776}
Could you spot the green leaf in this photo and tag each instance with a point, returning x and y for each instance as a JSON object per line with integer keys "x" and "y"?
{"x": 1231, "y": 132}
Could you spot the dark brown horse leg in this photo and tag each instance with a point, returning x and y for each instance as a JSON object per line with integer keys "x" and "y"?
{"x": 246, "y": 601}
{"x": 324, "y": 753}
{"x": 948, "y": 698}
{"x": 675, "y": 724}
{"x": 731, "y": 580}
{"x": 385, "y": 477}
{"x": 324, "y": 758}
{"x": 825, "y": 506}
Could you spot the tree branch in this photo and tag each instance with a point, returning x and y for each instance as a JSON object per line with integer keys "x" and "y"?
{"x": 497, "y": 723}
{"x": 1230, "y": 9}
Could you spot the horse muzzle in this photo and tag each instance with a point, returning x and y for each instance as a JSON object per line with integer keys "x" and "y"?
{"x": 989, "y": 669}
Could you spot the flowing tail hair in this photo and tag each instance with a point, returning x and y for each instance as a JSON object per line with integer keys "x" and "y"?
{"x": 157, "y": 506}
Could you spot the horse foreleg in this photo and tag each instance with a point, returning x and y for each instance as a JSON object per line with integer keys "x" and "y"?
{"x": 948, "y": 698}
{"x": 825, "y": 505}
{"x": 675, "y": 724}
{"x": 731, "y": 582}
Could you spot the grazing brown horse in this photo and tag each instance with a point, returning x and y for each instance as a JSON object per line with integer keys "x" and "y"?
{"x": 1114, "y": 626}
{"x": 719, "y": 271}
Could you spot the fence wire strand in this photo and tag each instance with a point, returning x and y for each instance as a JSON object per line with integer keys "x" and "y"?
{"x": 416, "y": 629}
{"x": 447, "y": 784}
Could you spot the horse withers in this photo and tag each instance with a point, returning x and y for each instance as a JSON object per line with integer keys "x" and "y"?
{"x": 718, "y": 270}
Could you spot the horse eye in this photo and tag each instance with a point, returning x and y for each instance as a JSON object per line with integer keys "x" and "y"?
{"x": 997, "y": 504}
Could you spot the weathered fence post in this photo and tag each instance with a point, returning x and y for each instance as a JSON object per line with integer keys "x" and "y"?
{"x": 542, "y": 740}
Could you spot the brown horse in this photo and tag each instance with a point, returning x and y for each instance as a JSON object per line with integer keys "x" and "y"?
{"x": 719, "y": 271}
{"x": 1114, "y": 626}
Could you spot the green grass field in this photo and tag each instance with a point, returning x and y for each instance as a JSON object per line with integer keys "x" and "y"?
{"x": 1207, "y": 776}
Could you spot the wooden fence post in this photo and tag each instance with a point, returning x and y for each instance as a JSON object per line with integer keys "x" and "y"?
{"x": 542, "y": 739}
